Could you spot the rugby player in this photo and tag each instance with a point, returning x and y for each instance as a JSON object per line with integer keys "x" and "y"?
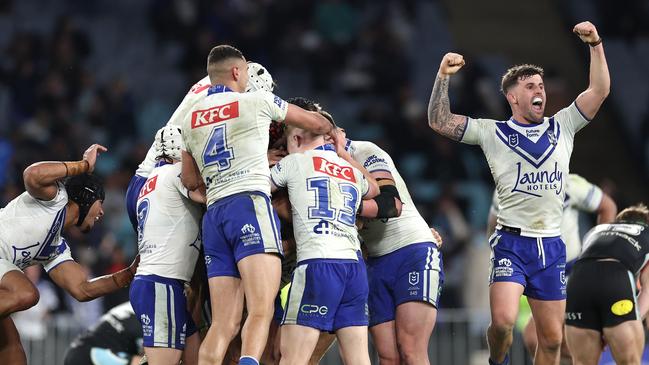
{"x": 115, "y": 340}
{"x": 329, "y": 288}
{"x": 581, "y": 196}
{"x": 529, "y": 158}
{"x": 31, "y": 228}
{"x": 603, "y": 301}
{"x": 260, "y": 79}
{"x": 226, "y": 138}
{"x": 168, "y": 243}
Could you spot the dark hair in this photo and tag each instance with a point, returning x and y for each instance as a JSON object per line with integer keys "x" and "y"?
{"x": 304, "y": 103}
{"x": 223, "y": 52}
{"x": 518, "y": 72}
{"x": 634, "y": 214}
{"x": 84, "y": 190}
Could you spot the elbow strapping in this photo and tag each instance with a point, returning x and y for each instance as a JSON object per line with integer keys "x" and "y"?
{"x": 388, "y": 202}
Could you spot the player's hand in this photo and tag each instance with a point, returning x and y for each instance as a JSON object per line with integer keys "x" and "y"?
{"x": 451, "y": 63}
{"x": 275, "y": 155}
{"x": 437, "y": 236}
{"x": 91, "y": 154}
{"x": 339, "y": 143}
{"x": 586, "y": 32}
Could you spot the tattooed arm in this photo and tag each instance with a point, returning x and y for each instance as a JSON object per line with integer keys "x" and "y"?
{"x": 440, "y": 118}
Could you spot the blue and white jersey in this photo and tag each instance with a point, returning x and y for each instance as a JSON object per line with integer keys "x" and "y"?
{"x": 30, "y": 231}
{"x": 227, "y": 134}
{"x": 169, "y": 237}
{"x": 530, "y": 166}
{"x": 195, "y": 94}
{"x": 383, "y": 236}
{"x": 325, "y": 192}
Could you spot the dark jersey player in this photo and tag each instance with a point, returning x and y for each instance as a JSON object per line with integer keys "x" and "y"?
{"x": 603, "y": 301}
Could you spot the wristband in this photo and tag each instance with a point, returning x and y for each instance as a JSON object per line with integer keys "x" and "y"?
{"x": 596, "y": 43}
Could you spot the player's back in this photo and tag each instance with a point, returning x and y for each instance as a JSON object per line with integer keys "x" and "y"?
{"x": 227, "y": 134}
{"x": 29, "y": 227}
{"x": 168, "y": 226}
{"x": 382, "y": 236}
{"x": 325, "y": 192}
{"x": 625, "y": 242}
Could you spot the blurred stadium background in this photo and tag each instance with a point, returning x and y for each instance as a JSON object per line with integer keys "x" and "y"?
{"x": 76, "y": 72}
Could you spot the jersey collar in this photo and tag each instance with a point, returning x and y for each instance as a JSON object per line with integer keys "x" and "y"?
{"x": 326, "y": 147}
{"x": 219, "y": 89}
{"x": 161, "y": 163}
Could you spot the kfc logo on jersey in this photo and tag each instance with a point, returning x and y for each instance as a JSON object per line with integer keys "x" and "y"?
{"x": 217, "y": 114}
{"x": 148, "y": 187}
{"x": 331, "y": 169}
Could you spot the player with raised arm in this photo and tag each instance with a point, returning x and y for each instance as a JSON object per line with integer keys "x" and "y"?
{"x": 31, "y": 228}
{"x": 329, "y": 287}
{"x": 169, "y": 242}
{"x": 529, "y": 159}
{"x": 260, "y": 79}
{"x": 603, "y": 303}
{"x": 581, "y": 196}
{"x": 226, "y": 140}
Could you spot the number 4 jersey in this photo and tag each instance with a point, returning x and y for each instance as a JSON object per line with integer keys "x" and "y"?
{"x": 325, "y": 192}
{"x": 227, "y": 134}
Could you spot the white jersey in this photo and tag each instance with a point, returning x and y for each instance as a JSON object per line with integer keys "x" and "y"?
{"x": 582, "y": 196}
{"x": 196, "y": 93}
{"x": 529, "y": 163}
{"x": 30, "y": 231}
{"x": 227, "y": 134}
{"x": 168, "y": 226}
{"x": 383, "y": 236}
{"x": 325, "y": 192}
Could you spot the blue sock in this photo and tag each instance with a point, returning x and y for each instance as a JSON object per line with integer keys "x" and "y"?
{"x": 491, "y": 362}
{"x": 248, "y": 360}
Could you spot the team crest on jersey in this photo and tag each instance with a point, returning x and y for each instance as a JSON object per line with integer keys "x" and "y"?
{"x": 148, "y": 187}
{"x": 551, "y": 137}
{"x": 217, "y": 114}
{"x": 342, "y": 172}
{"x": 513, "y": 140}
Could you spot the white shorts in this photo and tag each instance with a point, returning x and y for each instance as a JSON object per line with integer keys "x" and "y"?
{"x": 6, "y": 266}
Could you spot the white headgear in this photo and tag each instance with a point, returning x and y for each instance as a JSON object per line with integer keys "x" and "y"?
{"x": 259, "y": 78}
{"x": 168, "y": 142}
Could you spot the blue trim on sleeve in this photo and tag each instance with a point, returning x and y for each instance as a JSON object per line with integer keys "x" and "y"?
{"x": 466, "y": 126}
{"x": 55, "y": 266}
{"x": 580, "y": 112}
{"x": 274, "y": 182}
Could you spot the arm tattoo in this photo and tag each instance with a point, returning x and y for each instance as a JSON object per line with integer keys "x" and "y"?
{"x": 440, "y": 118}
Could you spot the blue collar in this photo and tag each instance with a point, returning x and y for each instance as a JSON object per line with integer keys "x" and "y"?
{"x": 348, "y": 144}
{"x": 218, "y": 89}
{"x": 326, "y": 147}
{"x": 530, "y": 125}
{"x": 162, "y": 163}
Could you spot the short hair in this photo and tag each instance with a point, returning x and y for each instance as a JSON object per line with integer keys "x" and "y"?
{"x": 518, "y": 72}
{"x": 304, "y": 103}
{"x": 221, "y": 53}
{"x": 638, "y": 213}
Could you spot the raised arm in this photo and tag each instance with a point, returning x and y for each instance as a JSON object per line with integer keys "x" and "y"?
{"x": 440, "y": 118}
{"x": 599, "y": 85}
{"x": 73, "y": 278}
{"x": 40, "y": 178}
{"x": 606, "y": 210}
{"x": 310, "y": 121}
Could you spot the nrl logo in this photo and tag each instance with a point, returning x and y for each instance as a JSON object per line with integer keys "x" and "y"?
{"x": 513, "y": 140}
{"x": 413, "y": 278}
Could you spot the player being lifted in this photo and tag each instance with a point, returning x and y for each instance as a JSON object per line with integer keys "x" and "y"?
{"x": 168, "y": 243}
{"x": 529, "y": 157}
{"x": 329, "y": 286}
{"x": 31, "y": 228}
{"x": 226, "y": 137}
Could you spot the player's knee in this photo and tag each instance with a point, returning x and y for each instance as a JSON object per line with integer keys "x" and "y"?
{"x": 501, "y": 328}
{"x": 550, "y": 342}
{"x": 411, "y": 348}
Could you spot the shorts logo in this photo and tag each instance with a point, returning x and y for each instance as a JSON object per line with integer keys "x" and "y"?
{"x": 208, "y": 260}
{"x": 313, "y": 309}
{"x": 562, "y": 277}
{"x": 513, "y": 140}
{"x": 413, "y": 278}
{"x": 249, "y": 235}
{"x": 217, "y": 114}
{"x": 622, "y": 307}
{"x": 147, "y": 329}
{"x": 573, "y": 316}
{"x": 505, "y": 262}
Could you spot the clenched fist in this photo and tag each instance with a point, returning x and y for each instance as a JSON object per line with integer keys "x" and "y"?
{"x": 586, "y": 32}
{"x": 451, "y": 63}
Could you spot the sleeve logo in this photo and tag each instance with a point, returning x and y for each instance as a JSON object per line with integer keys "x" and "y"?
{"x": 217, "y": 114}
{"x": 148, "y": 187}
{"x": 332, "y": 169}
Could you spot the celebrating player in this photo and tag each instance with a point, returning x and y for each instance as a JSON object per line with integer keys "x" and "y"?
{"x": 31, "y": 226}
{"x": 603, "y": 301}
{"x": 169, "y": 243}
{"x": 226, "y": 137}
{"x": 529, "y": 157}
{"x": 329, "y": 287}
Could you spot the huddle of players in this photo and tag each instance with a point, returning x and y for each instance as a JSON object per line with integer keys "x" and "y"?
{"x": 214, "y": 150}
